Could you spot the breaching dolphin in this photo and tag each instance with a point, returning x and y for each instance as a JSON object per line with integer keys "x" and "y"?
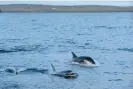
{"x": 82, "y": 59}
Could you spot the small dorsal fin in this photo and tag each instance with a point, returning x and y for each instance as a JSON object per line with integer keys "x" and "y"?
{"x": 16, "y": 70}
{"x": 74, "y": 55}
{"x": 53, "y": 67}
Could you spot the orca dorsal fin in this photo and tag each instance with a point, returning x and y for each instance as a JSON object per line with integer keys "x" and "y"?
{"x": 53, "y": 67}
{"x": 74, "y": 55}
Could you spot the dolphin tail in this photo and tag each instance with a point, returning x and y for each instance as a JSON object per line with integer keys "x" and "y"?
{"x": 74, "y": 55}
{"x": 53, "y": 67}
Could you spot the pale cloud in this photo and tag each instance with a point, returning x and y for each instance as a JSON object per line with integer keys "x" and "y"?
{"x": 67, "y": 0}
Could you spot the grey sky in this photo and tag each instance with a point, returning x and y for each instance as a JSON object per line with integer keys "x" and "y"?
{"x": 114, "y": 3}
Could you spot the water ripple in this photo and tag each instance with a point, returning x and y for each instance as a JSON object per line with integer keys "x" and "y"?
{"x": 21, "y": 48}
{"x": 11, "y": 85}
{"x": 115, "y": 80}
{"x": 126, "y": 49}
{"x": 106, "y": 27}
{"x": 117, "y": 73}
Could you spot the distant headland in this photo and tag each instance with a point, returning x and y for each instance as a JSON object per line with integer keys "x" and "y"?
{"x": 61, "y": 8}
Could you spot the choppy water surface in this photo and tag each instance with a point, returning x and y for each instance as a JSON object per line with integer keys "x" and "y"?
{"x": 37, "y": 39}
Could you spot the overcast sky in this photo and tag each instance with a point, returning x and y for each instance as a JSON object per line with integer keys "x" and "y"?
{"x": 115, "y": 3}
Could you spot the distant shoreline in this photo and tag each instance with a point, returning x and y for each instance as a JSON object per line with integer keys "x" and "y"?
{"x": 11, "y": 8}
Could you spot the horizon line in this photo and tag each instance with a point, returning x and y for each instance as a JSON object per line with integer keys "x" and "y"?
{"x": 65, "y": 5}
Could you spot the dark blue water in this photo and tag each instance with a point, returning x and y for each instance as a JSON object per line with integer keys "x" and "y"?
{"x": 37, "y": 39}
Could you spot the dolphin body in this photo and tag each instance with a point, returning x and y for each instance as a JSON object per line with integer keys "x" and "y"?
{"x": 68, "y": 74}
{"x": 82, "y": 59}
{"x": 11, "y": 70}
{"x": 27, "y": 70}
{"x": 33, "y": 70}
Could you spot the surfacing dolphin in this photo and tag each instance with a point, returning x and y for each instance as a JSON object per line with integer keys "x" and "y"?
{"x": 33, "y": 70}
{"x": 11, "y": 70}
{"x": 82, "y": 59}
{"x": 26, "y": 70}
{"x": 68, "y": 74}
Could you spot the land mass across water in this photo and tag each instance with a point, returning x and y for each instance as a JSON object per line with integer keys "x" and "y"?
{"x": 62, "y": 8}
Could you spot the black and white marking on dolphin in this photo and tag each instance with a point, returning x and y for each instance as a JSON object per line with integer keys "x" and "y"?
{"x": 68, "y": 74}
{"x": 82, "y": 59}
